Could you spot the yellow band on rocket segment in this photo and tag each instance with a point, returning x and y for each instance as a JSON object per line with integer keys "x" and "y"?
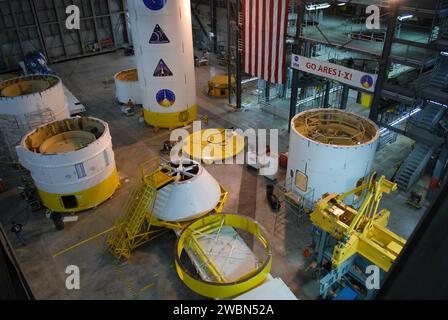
{"x": 85, "y": 199}
{"x": 171, "y": 119}
{"x": 223, "y": 290}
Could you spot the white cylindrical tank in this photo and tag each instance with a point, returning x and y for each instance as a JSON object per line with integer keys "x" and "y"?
{"x": 71, "y": 162}
{"x": 33, "y": 100}
{"x": 194, "y": 193}
{"x": 330, "y": 151}
{"x": 163, "y": 42}
{"x": 127, "y": 86}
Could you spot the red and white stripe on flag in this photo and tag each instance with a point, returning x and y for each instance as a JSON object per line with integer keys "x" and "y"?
{"x": 264, "y": 39}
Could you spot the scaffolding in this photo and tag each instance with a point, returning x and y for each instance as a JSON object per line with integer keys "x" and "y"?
{"x": 135, "y": 228}
{"x": 10, "y": 135}
{"x": 139, "y": 225}
{"x": 12, "y": 131}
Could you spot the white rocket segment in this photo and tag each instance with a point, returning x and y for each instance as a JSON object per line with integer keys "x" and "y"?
{"x": 127, "y": 86}
{"x": 31, "y": 98}
{"x": 68, "y": 156}
{"x": 195, "y": 193}
{"x": 330, "y": 151}
{"x": 163, "y": 43}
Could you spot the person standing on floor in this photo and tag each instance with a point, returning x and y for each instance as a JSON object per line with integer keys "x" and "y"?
{"x": 17, "y": 229}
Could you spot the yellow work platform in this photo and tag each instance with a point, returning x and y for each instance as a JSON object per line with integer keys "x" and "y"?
{"x": 213, "y": 145}
{"x": 218, "y": 86}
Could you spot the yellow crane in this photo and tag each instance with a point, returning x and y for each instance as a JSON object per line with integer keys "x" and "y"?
{"x": 363, "y": 231}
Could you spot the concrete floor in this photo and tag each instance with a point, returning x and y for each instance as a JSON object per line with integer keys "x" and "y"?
{"x": 150, "y": 274}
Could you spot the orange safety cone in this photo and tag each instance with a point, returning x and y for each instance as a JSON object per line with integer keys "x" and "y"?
{"x": 307, "y": 252}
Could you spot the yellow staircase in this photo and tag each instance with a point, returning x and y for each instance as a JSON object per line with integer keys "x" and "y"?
{"x": 134, "y": 228}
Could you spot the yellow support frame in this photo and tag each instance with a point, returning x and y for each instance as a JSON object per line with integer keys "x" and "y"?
{"x": 139, "y": 225}
{"x": 361, "y": 231}
{"x": 221, "y": 289}
{"x": 181, "y": 225}
{"x": 134, "y": 228}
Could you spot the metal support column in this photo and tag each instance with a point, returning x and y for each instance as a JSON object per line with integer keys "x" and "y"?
{"x": 229, "y": 50}
{"x": 384, "y": 61}
{"x": 214, "y": 26}
{"x": 198, "y": 20}
{"x": 61, "y": 28}
{"x": 95, "y": 24}
{"x": 344, "y": 97}
{"x": 16, "y": 26}
{"x": 295, "y": 73}
{"x": 239, "y": 53}
{"x": 267, "y": 91}
{"x": 321, "y": 245}
{"x": 234, "y": 30}
{"x": 39, "y": 29}
{"x": 111, "y": 23}
{"x": 81, "y": 40}
{"x": 124, "y": 7}
{"x": 327, "y": 94}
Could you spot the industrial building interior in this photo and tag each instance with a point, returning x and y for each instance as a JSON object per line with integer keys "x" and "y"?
{"x": 87, "y": 175}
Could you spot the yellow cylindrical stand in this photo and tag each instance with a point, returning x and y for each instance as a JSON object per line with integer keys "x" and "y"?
{"x": 213, "y": 145}
{"x": 221, "y": 289}
{"x": 366, "y": 99}
{"x": 219, "y": 86}
{"x": 172, "y": 119}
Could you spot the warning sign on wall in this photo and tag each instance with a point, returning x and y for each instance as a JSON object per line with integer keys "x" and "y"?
{"x": 336, "y": 72}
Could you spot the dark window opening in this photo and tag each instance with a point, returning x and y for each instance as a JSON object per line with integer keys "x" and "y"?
{"x": 70, "y": 202}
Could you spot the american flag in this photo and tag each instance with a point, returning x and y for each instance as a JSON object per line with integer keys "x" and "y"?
{"x": 264, "y": 39}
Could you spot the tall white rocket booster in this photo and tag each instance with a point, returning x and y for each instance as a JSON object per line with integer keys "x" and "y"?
{"x": 163, "y": 45}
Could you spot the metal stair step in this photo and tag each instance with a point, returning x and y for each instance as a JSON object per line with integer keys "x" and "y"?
{"x": 401, "y": 180}
{"x": 408, "y": 171}
{"x": 414, "y": 162}
{"x": 402, "y": 184}
{"x": 418, "y": 155}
